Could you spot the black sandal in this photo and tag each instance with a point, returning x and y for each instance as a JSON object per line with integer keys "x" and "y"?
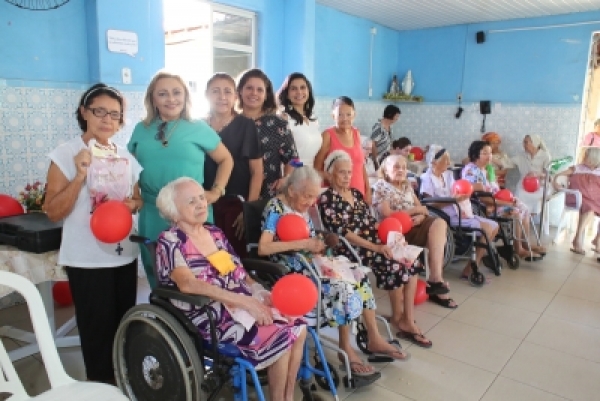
{"x": 444, "y": 302}
{"x": 438, "y": 288}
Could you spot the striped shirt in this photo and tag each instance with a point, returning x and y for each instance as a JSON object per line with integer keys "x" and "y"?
{"x": 382, "y": 139}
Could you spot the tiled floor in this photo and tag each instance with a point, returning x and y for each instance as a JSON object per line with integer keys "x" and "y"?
{"x": 532, "y": 334}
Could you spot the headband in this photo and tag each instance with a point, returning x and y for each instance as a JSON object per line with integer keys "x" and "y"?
{"x": 336, "y": 158}
{"x": 439, "y": 153}
{"x": 108, "y": 88}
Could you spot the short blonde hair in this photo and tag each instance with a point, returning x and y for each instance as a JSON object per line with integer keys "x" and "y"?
{"x": 592, "y": 157}
{"x": 333, "y": 158}
{"x": 165, "y": 201}
{"x": 151, "y": 112}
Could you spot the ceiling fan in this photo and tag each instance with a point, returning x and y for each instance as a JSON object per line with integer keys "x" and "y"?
{"x": 38, "y": 5}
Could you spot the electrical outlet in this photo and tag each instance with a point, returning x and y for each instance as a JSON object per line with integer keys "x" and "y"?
{"x": 459, "y": 97}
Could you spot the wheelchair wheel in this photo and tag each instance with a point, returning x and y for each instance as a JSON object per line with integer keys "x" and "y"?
{"x": 322, "y": 381}
{"x": 449, "y": 249}
{"x": 513, "y": 262}
{"x": 155, "y": 358}
{"x": 477, "y": 279}
{"x": 362, "y": 339}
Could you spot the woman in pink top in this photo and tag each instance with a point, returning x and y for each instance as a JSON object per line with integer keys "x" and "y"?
{"x": 343, "y": 136}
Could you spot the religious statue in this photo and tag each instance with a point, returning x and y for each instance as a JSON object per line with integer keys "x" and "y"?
{"x": 395, "y": 88}
{"x": 408, "y": 83}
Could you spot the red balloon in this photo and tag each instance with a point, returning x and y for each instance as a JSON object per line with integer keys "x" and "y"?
{"x": 294, "y": 295}
{"x": 462, "y": 187}
{"x": 111, "y": 222}
{"x": 421, "y": 293}
{"x": 61, "y": 292}
{"x": 504, "y": 195}
{"x": 388, "y": 224}
{"x": 418, "y": 153}
{"x": 531, "y": 184}
{"x": 9, "y": 206}
{"x": 292, "y": 227}
{"x": 404, "y": 219}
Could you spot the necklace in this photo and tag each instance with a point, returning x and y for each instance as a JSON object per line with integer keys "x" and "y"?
{"x": 164, "y": 138}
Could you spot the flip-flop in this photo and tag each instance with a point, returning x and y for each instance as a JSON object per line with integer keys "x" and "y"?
{"x": 444, "y": 302}
{"x": 384, "y": 356}
{"x": 577, "y": 251}
{"x": 412, "y": 337}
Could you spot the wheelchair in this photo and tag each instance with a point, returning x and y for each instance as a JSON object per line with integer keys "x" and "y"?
{"x": 158, "y": 353}
{"x": 252, "y": 217}
{"x": 464, "y": 241}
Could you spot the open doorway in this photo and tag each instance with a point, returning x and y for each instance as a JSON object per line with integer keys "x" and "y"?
{"x": 590, "y": 106}
{"x": 203, "y": 38}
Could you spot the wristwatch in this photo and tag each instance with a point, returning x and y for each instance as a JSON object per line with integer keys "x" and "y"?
{"x": 219, "y": 189}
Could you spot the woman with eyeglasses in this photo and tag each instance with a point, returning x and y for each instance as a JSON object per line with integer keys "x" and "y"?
{"x": 102, "y": 277}
{"x": 169, "y": 145}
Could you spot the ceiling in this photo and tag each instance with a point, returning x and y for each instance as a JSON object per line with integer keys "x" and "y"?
{"x": 418, "y": 14}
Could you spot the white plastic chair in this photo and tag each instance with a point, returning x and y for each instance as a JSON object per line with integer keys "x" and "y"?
{"x": 567, "y": 208}
{"x": 63, "y": 387}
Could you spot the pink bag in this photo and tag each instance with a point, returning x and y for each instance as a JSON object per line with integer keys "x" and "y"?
{"x": 108, "y": 176}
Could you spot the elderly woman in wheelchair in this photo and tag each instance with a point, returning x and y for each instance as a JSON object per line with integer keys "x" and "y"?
{"x": 342, "y": 301}
{"x": 198, "y": 259}
{"x": 344, "y": 211}
{"x": 438, "y": 182}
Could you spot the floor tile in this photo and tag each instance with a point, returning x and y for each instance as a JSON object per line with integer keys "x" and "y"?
{"x": 516, "y": 296}
{"x": 505, "y": 389}
{"x": 432, "y": 377}
{"x": 495, "y": 317}
{"x": 481, "y": 348}
{"x": 575, "y": 310}
{"x": 571, "y": 338}
{"x": 587, "y": 272}
{"x": 542, "y": 280}
{"x": 581, "y": 288}
{"x": 375, "y": 392}
{"x": 555, "y": 372}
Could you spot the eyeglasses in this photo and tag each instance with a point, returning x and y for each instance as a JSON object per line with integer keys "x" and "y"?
{"x": 101, "y": 112}
{"x": 160, "y": 135}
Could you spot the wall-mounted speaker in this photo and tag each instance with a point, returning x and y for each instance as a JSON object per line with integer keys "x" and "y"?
{"x": 480, "y": 37}
{"x": 485, "y": 107}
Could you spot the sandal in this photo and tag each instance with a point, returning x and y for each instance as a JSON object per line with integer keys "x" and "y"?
{"x": 414, "y": 338}
{"x": 356, "y": 372}
{"x": 397, "y": 354}
{"x": 444, "y": 302}
{"x": 438, "y": 288}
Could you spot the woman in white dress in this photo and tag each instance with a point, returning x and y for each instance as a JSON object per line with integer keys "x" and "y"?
{"x": 296, "y": 101}
{"x": 531, "y": 163}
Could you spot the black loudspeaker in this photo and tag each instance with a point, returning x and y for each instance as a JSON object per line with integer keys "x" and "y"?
{"x": 480, "y": 36}
{"x": 485, "y": 107}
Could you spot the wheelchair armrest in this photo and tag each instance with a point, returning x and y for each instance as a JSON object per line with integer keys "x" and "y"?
{"x": 138, "y": 239}
{"x": 441, "y": 199}
{"x": 482, "y": 194}
{"x": 264, "y": 266}
{"x": 173, "y": 293}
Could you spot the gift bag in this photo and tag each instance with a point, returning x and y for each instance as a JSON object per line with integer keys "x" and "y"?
{"x": 108, "y": 176}
{"x": 339, "y": 268}
{"x": 402, "y": 252}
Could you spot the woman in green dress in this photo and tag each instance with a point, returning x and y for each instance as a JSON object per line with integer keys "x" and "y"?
{"x": 169, "y": 144}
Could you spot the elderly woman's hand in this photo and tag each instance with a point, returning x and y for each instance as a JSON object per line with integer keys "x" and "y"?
{"x": 314, "y": 245}
{"x": 82, "y": 162}
{"x": 258, "y": 310}
{"x": 385, "y": 251}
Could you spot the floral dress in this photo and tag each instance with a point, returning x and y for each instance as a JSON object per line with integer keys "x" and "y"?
{"x": 341, "y": 217}
{"x": 260, "y": 345}
{"x": 341, "y": 301}
{"x": 279, "y": 148}
{"x": 476, "y": 175}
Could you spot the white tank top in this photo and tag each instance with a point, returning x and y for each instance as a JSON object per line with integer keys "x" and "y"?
{"x": 79, "y": 247}
{"x": 308, "y": 140}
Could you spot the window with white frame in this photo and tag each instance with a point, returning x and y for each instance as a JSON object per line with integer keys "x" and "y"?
{"x": 233, "y": 37}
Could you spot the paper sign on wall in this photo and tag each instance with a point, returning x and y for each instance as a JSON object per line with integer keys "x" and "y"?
{"x": 122, "y": 42}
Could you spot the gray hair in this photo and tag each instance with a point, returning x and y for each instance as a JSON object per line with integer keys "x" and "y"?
{"x": 300, "y": 177}
{"x": 388, "y": 161}
{"x": 592, "y": 157}
{"x": 334, "y": 157}
{"x": 165, "y": 201}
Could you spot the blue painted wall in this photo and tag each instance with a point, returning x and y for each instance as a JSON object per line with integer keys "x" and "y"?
{"x": 532, "y": 66}
{"x": 44, "y": 46}
{"x": 342, "y": 55}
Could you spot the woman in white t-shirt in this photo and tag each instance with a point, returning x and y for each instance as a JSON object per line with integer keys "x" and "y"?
{"x": 102, "y": 277}
{"x": 296, "y": 101}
